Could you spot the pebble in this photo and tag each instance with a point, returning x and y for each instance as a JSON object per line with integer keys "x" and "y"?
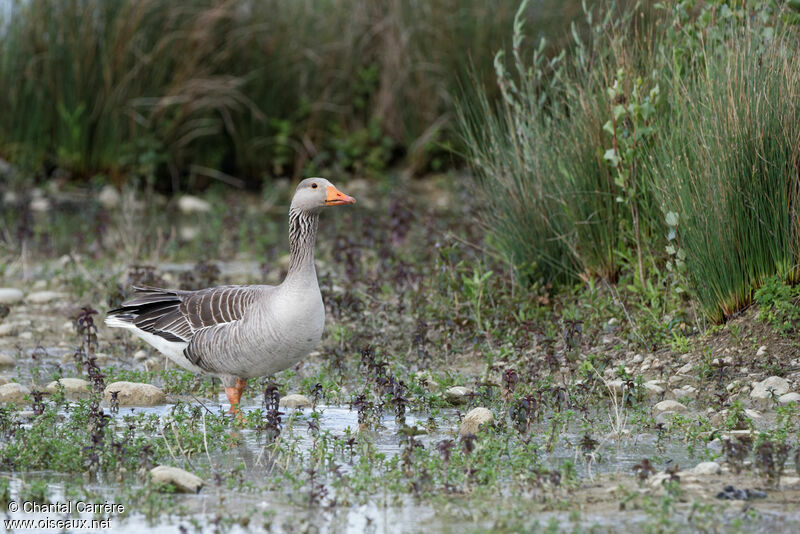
{"x": 762, "y": 350}
{"x": 43, "y": 297}
{"x": 764, "y": 391}
{"x": 135, "y": 394}
{"x": 474, "y": 419}
{"x": 705, "y": 469}
{"x": 10, "y": 295}
{"x": 789, "y": 397}
{"x": 753, "y": 414}
{"x": 6, "y": 360}
{"x": 183, "y": 481}
{"x": 731, "y": 493}
{"x": 669, "y": 406}
{"x": 140, "y": 355}
{"x": 74, "y": 388}
{"x": 155, "y": 363}
{"x": 109, "y": 197}
{"x": 188, "y": 232}
{"x": 13, "y": 392}
{"x": 7, "y": 329}
{"x": 425, "y": 378}
{"x": 294, "y": 401}
{"x": 685, "y": 391}
{"x": 686, "y": 369}
{"x": 191, "y": 204}
{"x": 26, "y": 335}
{"x": 456, "y": 394}
{"x": 652, "y": 388}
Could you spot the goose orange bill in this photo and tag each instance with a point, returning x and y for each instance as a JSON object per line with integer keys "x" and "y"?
{"x": 336, "y": 197}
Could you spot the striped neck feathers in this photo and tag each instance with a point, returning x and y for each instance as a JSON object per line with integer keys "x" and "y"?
{"x": 302, "y": 234}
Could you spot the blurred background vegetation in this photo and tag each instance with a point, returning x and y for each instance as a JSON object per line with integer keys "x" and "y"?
{"x": 181, "y": 93}
{"x": 649, "y": 146}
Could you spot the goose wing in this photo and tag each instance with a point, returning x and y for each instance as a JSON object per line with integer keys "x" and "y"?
{"x": 177, "y": 315}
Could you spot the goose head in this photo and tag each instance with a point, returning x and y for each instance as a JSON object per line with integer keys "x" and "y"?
{"x": 313, "y": 194}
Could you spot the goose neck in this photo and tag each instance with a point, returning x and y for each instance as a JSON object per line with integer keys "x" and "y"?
{"x": 302, "y": 235}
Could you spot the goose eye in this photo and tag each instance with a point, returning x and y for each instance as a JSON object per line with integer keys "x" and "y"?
{"x": 314, "y": 185}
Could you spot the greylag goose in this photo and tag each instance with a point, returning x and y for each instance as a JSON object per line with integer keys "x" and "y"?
{"x": 241, "y": 332}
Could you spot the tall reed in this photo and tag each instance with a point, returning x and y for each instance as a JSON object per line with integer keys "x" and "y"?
{"x": 554, "y": 205}
{"x": 731, "y": 169}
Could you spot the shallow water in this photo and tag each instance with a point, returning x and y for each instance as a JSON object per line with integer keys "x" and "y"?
{"x": 409, "y": 516}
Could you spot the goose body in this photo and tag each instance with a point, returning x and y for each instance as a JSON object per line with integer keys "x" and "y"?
{"x": 241, "y": 332}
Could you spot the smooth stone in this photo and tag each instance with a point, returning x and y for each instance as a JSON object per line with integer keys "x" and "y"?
{"x": 140, "y": 355}
{"x": 685, "y": 391}
{"x": 135, "y": 394}
{"x": 762, "y": 350}
{"x": 456, "y": 394}
{"x": 753, "y": 414}
{"x": 669, "y": 406}
{"x": 188, "y": 233}
{"x": 13, "y": 392}
{"x": 183, "y": 481}
{"x": 109, "y": 197}
{"x": 686, "y": 369}
{"x": 74, "y": 388}
{"x": 10, "y": 295}
{"x": 706, "y": 469}
{"x": 154, "y": 363}
{"x": 745, "y": 435}
{"x": 294, "y": 401}
{"x": 425, "y": 378}
{"x": 39, "y": 204}
{"x": 191, "y": 204}
{"x": 474, "y": 419}
{"x": 7, "y": 329}
{"x": 653, "y": 390}
{"x": 43, "y": 297}
{"x": 789, "y": 397}
{"x": 764, "y": 391}
{"x": 4, "y": 380}
{"x": 6, "y": 360}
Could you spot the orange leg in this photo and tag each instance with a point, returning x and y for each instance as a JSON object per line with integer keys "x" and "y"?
{"x": 235, "y": 395}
